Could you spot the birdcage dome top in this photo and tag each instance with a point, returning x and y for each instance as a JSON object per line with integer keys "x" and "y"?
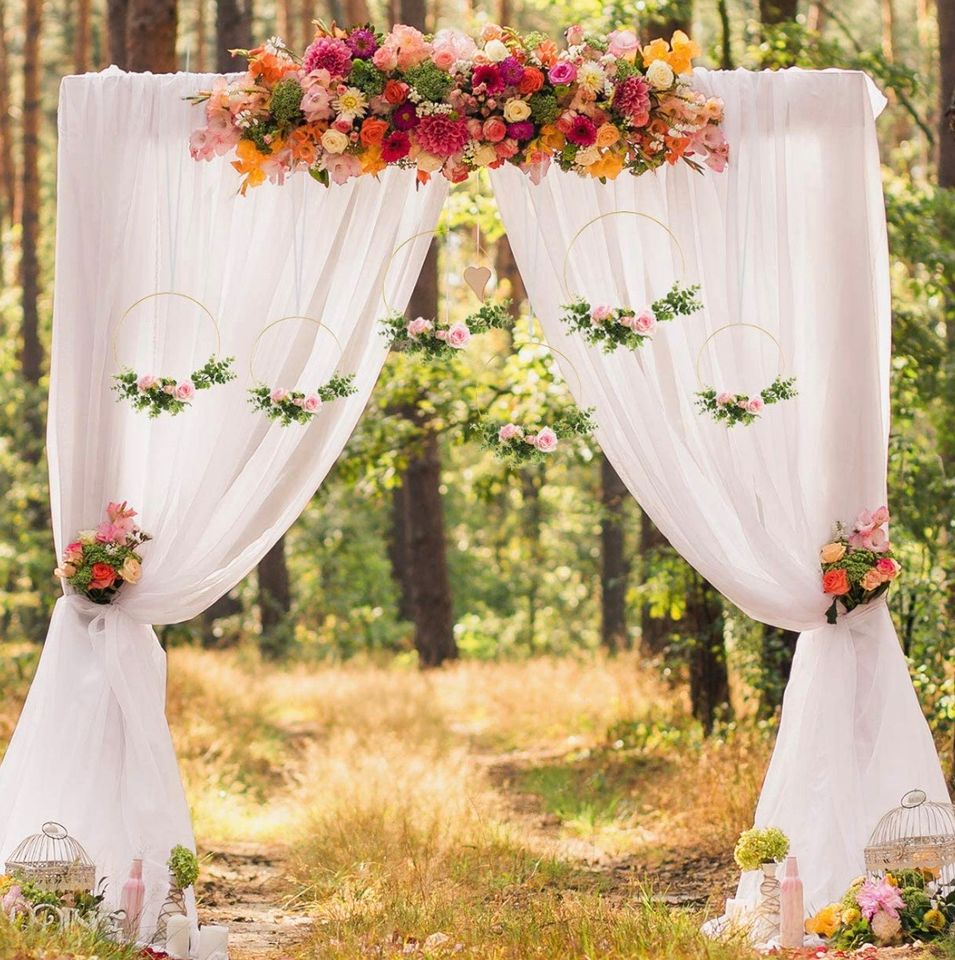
{"x": 919, "y": 833}
{"x": 52, "y": 845}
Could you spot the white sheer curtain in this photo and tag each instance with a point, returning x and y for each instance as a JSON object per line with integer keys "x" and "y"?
{"x": 215, "y": 486}
{"x": 790, "y": 238}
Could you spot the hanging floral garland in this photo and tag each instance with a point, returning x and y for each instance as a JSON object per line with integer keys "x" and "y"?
{"x": 360, "y": 100}
{"x": 434, "y": 340}
{"x": 519, "y": 443}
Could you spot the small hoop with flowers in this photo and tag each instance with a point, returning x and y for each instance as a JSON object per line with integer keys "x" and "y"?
{"x": 612, "y": 327}
{"x": 429, "y": 338}
{"x": 520, "y": 443}
{"x": 285, "y": 406}
{"x": 160, "y": 394}
{"x": 733, "y": 408}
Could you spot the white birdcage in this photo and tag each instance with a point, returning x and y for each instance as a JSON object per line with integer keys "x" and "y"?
{"x": 919, "y": 834}
{"x": 53, "y": 860}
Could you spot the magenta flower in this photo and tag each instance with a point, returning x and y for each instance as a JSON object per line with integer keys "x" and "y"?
{"x": 511, "y": 71}
{"x": 362, "y": 43}
{"x": 876, "y": 895}
{"x": 583, "y": 131}
{"x": 329, "y": 54}
{"x": 395, "y": 146}
{"x": 523, "y": 130}
{"x": 488, "y": 76}
{"x": 563, "y": 72}
{"x": 405, "y": 116}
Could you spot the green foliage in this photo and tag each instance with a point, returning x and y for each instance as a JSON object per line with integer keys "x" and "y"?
{"x": 429, "y": 81}
{"x": 286, "y": 102}
{"x": 294, "y": 406}
{"x": 366, "y": 77}
{"x": 184, "y": 866}
{"x": 736, "y": 409}
{"x": 161, "y": 396}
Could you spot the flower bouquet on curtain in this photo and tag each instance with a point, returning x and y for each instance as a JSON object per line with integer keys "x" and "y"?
{"x": 858, "y": 567}
{"x": 98, "y": 562}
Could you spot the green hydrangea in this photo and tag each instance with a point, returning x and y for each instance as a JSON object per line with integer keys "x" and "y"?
{"x": 857, "y": 563}
{"x": 758, "y": 846}
{"x": 544, "y": 107}
{"x": 367, "y": 77}
{"x": 184, "y": 866}
{"x": 430, "y": 82}
{"x": 287, "y": 101}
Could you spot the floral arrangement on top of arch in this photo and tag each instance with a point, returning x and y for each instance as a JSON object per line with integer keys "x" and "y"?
{"x": 361, "y": 100}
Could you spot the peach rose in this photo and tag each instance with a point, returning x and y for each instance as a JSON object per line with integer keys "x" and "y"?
{"x": 494, "y": 130}
{"x": 872, "y": 579}
{"x": 607, "y": 135}
{"x": 832, "y": 552}
{"x": 835, "y": 582}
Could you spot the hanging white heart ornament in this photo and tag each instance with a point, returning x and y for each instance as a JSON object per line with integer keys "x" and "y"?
{"x": 477, "y": 279}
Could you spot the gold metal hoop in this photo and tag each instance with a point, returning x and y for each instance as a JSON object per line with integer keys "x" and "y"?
{"x": 394, "y": 253}
{"x": 166, "y": 293}
{"x": 617, "y": 213}
{"x": 736, "y": 326}
{"x": 321, "y": 326}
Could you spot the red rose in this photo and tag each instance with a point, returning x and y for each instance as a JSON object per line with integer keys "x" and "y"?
{"x": 104, "y": 576}
{"x": 835, "y": 582}
{"x": 395, "y": 92}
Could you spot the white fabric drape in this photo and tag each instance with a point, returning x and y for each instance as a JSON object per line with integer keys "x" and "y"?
{"x": 790, "y": 238}
{"x": 215, "y": 486}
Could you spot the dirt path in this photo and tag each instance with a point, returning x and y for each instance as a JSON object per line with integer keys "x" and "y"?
{"x": 245, "y": 887}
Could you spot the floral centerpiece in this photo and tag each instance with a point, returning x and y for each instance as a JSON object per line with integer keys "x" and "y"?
{"x": 858, "y": 567}
{"x": 20, "y": 900}
{"x": 360, "y": 100}
{"x": 517, "y": 443}
{"x": 98, "y": 562}
{"x": 610, "y": 327}
{"x": 902, "y": 907}
{"x": 430, "y": 339}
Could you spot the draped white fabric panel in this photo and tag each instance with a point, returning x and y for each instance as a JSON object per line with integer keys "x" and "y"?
{"x": 790, "y": 238}
{"x": 215, "y": 486}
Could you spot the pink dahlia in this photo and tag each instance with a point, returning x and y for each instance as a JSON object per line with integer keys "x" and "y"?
{"x": 632, "y": 99}
{"x": 329, "y": 54}
{"x": 583, "y": 131}
{"x": 442, "y": 136}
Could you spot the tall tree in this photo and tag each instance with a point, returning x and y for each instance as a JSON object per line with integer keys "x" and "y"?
{"x": 116, "y": 11}
{"x": 8, "y": 173}
{"x": 654, "y": 548}
{"x": 202, "y": 38}
{"x": 356, "y": 11}
{"x": 777, "y": 11}
{"x": 398, "y": 551}
{"x": 275, "y": 602}
{"x": 233, "y": 31}
{"x": 709, "y": 676}
{"x": 151, "y": 35}
{"x": 31, "y": 357}
{"x": 81, "y": 37}
{"x": 614, "y": 566}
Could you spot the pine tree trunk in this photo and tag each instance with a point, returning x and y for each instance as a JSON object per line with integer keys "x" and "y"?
{"x": 398, "y": 555}
{"x": 233, "y": 31}
{"x": 81, "y": 38}
{"x": 116, "y": 14}
{"x": 614, "y": 568}
{"x": 777, "y": 11}
{"x": 356, "y": 12}
{"x": 151, "y": 35}
{"x": 709, "y": 678}
{"x": 888, "y": 30}
{"x": 275, "y": 602}
{"x": 654, "y": 631}
{"x": 8, "y": 171}
{"x": 31, "y": 357}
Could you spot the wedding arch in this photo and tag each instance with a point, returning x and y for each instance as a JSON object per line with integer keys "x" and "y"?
{"x": 790, "y": 238}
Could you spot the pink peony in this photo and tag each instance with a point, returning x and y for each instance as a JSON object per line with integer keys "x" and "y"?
{"x": 632, "y": 99}
{"x": 879, "y": 895}
{"x": 312, "y": 403}
{"x": 510, "y": 431}
{"x": 454, "y": 42}
{"x": 418, "y": 326}
{"x": 601, "y": 314}
{"x": 623, "y": 44}
{"x": 278, "y": 395}
{"x": 645, "y": 323}
{"x": 724, "y": 399}
{"x": 185, "y": 391}
{"x": 755, "y": 405}
{"x": 441, "y": 136}
{"x": 410, "y": 45}
{"x": 146, "y": 382}
{"x": 563, "y": 72}
{"x": 458, "y": 336}
{"x": 327, "y": 53}
{"x": 546, "y": 440}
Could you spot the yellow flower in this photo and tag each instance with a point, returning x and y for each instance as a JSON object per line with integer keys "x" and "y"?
{"x": 250, "y": 161}
{"x": 131, "y": 570}
{"x": 683, "y": 51}
{"x": 826, "y": 921}
{"x": 850, "y": 916}
{"x": 607, "y": 135}
{"x": 609, "y": 166}
{"x": 832, "y": 552}
{"x": 6, "y": 882}
{"x": 934, "y": 920}
{"x": 658, "y": 50}
{"x": 552, "y": 138}
{"x": 890, "y": 880}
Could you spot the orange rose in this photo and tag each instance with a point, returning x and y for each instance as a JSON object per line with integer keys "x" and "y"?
{"x": 835, "y": 582}
{"x": 104, "y": 576}
{"x": 872, "y": 579}
{"x": 551, "y": 138}
{"x": 607, "y": 135}
{"x": 547, "y": 52}
{"x": 395, "y": 91}
{"x": 373, "y": 131}
{"x": 532, "y": 81}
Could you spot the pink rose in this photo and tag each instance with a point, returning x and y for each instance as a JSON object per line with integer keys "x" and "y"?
{"x": 755, "y": 405}
{"x": 888, "y": 568}
{"x": 623, "y": 44}
{"x": 385, "y": 58}
{"x": 724, "y": 399}
{"x": 458, "y": 336}
{"x": 645, "y": 323}
{"x": 627, "y": 321}
{"x": 169, "y": 388}
{"x": 419, "y": 326}
{"x": 546, "y": 440}
{"x": 298, "y": 401}
{"x": 444, "y": 58}
{"x": 278, "y": 395}
{"x": 185, "y": 391}
{"x": 494, "y": 130}
{"x": 600, "y": 314}
{"x": 146, "y": 382}
{"x": 312, "y": 403}
{"x": 563, "y": 72}
{"x": 510, "y": 431}
{"x": 574, "y": 35}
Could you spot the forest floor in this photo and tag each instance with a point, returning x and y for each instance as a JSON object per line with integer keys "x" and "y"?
{"x": 540, "y": 810}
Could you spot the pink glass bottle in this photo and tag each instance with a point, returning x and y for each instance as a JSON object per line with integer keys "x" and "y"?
{"x": 131, "y": 901}
{"x": 792, "y": 908}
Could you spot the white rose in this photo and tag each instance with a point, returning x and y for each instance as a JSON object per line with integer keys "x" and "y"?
{"x": 660, "y": 75}
{"x": 516, "y": 110}
{"x": 496, "y": 51}
{"x": 587, "y": 156}
{"x": 485, "y": 155}
{"x": 334, "y": 141}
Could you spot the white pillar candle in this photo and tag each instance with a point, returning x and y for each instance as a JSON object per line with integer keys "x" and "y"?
{"x": 213, "y": 942}
{"x": 177, "y": 936}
